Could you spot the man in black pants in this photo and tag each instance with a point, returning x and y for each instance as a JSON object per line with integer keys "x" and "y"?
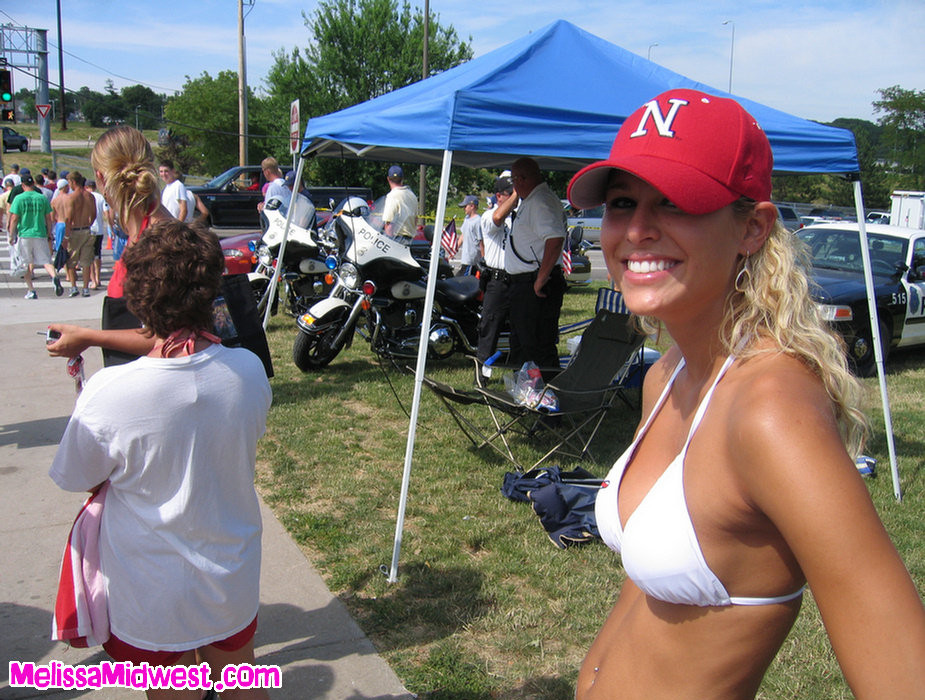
{"x": 532, "y": 260}
{"x": 495, "y": 226}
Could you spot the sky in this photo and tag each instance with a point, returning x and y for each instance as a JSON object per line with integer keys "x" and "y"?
{"x": 817, "y": 60}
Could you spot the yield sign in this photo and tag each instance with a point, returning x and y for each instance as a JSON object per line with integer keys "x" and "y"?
{"x": 43, "y": 110}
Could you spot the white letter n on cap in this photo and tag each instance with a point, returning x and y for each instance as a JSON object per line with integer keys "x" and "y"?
{"x": 662, "y": 124}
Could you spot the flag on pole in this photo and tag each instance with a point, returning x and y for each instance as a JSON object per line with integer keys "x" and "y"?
{"x": 567, "y": 256}
{"x": 449, "y": 240}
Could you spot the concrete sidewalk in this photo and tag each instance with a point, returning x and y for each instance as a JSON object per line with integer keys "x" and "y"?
{"x": 303, "y": 628}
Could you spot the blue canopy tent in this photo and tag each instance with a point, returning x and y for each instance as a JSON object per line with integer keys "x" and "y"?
{"x": 559, "y": 95}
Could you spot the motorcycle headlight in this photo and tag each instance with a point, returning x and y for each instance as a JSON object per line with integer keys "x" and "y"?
{"x": 264, "y": 256}
{"x": 349, "y": 275}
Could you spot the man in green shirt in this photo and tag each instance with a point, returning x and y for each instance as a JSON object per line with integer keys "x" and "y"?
{"x": 30, "y": 230}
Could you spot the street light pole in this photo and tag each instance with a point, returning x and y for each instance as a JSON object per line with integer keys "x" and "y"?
{"x": 732, "y": 48}
{"x": 649, "y": 52}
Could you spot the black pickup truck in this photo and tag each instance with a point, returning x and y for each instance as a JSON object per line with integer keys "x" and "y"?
{"x": 232, "y": 197}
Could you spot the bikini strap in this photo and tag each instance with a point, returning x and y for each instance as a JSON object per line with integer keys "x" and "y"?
{"x": 185, "y": 339}
{"x": 705, "y": 403}
{"x": 661, "y": 398}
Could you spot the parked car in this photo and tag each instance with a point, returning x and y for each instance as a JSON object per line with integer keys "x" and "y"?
{"x": 897, "y": 257}
{"x": 239, "y": 258}
{"x": 585, "y": 225}
{"x": 877, "y": 217}
{"x": 14, "y": 141}
{"x": 232, "y": 197}
{"x": 789, "y": 217}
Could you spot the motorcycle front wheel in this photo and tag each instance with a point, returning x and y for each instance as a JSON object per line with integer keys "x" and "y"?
{"x": 314, "y": 351}
{"x": 260, "y": 287}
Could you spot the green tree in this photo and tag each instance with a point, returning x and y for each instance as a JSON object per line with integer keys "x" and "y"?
{"x": 359, "y": 49}
{"x": 101, "y": 109}
{"x": 204, "y": 118}
{"x": 143, "y": 105}
{"x": 903, "y": 123}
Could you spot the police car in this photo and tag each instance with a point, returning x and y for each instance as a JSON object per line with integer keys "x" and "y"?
{"x": 897, "y": 256}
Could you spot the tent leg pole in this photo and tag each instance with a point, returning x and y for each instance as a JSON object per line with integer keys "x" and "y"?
{"x": 875, "y": 335}
{"x": 422, "y": 360}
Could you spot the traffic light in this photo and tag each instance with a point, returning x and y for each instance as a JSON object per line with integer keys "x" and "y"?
{"x": 7, "y": 114}
{"x": 6, "y": 85}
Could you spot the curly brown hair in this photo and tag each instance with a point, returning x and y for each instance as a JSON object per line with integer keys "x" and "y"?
{"x": 173, "y": 274}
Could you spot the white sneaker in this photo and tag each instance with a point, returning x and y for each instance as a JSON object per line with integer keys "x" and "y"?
{"x": 31, "y": 294}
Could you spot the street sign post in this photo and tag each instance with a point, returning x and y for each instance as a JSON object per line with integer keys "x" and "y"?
{"x": 294, "y": 132}
{"x": 43, "y": 110}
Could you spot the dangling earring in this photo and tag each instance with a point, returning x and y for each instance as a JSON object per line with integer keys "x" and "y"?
{"x": 744, "y": 274}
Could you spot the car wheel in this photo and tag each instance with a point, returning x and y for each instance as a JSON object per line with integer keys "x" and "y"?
{"x": 862, "y": 354}
{"x": 23, "y": 147}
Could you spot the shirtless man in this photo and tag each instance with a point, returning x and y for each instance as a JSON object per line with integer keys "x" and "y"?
{"x": 57, "y": 206}
{"x": 80, "y": 213}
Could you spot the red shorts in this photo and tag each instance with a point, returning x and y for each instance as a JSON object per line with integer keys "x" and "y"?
{"x": 122, "y": 651}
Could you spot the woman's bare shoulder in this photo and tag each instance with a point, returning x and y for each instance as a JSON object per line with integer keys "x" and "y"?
{"x": 658, "y": 375}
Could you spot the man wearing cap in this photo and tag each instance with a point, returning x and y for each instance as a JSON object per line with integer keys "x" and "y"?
{"x": 30, "y": 227}
{"x": 17, "y": 176}
{"x": 495, "y": 226}
{"x": 304, "y": 215}
{"x": 532, "y": 258}
{"x": 401, "y": 206}
{"x": 173, "y": 197}
{"x": 470, "y": 252}
{"x": 80, "y": 213}
{"x": 276, "y": 188}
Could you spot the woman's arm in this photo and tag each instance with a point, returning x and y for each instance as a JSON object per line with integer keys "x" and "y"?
{"x": 797, "y": 472}
{"x": 75, "y": 339}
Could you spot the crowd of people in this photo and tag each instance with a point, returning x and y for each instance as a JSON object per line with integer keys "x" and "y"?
{"x": 72, "y": 227}
{"x": 720, "y": 524}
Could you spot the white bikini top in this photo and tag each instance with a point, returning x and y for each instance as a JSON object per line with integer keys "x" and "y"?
{"x": 659, "y": 548}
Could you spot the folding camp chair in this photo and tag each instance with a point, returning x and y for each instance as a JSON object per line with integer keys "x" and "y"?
{"x": 586, "y": 390}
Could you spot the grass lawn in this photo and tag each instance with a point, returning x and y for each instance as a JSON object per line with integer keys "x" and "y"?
{"x": 485, "y": 606}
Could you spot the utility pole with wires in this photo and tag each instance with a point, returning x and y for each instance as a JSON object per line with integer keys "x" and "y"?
{"x": 61, "y": 73}
{"x": 422, "y": 182}
{"x": 242, "y": 83}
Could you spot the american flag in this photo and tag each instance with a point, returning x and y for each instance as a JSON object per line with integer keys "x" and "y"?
{"x": 449, "y": 240}
{"x": 567, "y": 257}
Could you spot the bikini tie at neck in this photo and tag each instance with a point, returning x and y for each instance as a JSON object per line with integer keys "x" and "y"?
{"x": 184, "y": 340}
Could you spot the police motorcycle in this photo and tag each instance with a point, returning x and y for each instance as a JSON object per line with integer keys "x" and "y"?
{"x": 379, "y": 293}
{"x": 303, "y": 270}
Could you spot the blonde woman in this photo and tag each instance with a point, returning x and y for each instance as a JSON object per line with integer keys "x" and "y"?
{"x": 740, "y": 487}
{"x": 123, "y": 164}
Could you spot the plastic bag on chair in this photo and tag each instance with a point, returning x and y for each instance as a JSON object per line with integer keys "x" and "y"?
{"x": 527, "y": 387}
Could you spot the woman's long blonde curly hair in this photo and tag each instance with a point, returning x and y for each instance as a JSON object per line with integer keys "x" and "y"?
{"x": 126, "y": 161}
{"x": 771, "y": 300}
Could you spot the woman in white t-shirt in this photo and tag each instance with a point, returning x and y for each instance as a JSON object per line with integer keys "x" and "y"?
{"x": 175, "y": 435}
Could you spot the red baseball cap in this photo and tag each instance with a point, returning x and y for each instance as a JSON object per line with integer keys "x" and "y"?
{"x": 701, "y": 151}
